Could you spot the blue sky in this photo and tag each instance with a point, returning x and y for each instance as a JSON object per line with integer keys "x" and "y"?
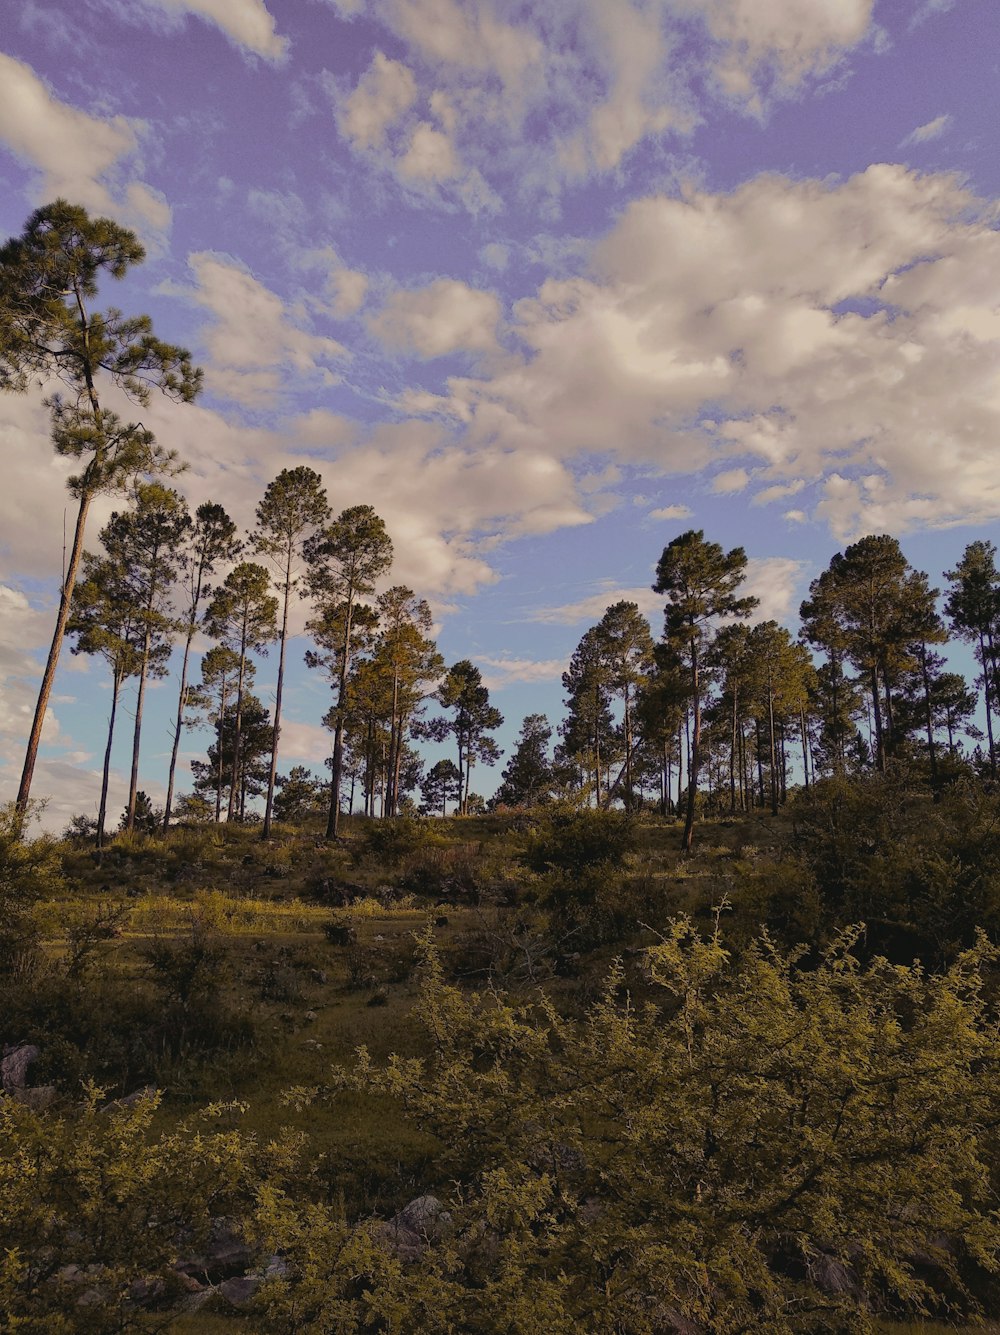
{"x": 545, "y": 284}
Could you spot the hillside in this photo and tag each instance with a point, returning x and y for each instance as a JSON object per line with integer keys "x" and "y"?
{"x": 626, "y": 1113}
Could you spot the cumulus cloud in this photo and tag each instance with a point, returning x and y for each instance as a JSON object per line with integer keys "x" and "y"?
{"x": 446, "y": 316}
{"x": 592, "y": 607}
{"x": 253, "y": 340}
{"x": 508, "y": 671}
{"x": 247, "y": 23}
{"x": 733, "y": 479}
{"x": 671, "y": 512}
{"x": 932, "y": 130}
{"x": 88, "y": 159}
{"x": 796, "y": 329}
{"x": 593, "y": 80}
{"x": 383, "y": 94}
{"x": 773, "y": 46}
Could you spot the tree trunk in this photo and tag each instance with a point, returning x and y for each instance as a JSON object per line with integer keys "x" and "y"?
{"x": 140, "y": 699}
{"x": 805, "y": 748}
{"x": 102, "y": 810}
{"x": 333, "y": 819}
{"x": 265, "y": 832}
{"x": 48, "y": 676}
{"x": 929, "y": 720}
{"x": 178, "y": 727}
{"x": 238, "y": 733}
{"x": 771, "y": 747}
{"x": 688, "y": 839}
{"x": 988, "y": 697}
{"x": 877, "y": 718}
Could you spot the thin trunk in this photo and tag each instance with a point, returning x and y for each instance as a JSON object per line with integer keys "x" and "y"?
{"x": 48, "y": 676}
{"x": 69, "y": 583}
{"x": 140, "y": 699}
{"x": 688, "y": 840}
{"x": 238, "y": 731}
{"x": 805, "y": 747}
{"x": 333, "y": 819}
{"x": 178, "y": 726}
{"x": 628, "y": 750}
{"x": 223, "y": 692}
{"x": 732, "y": 755}
{"x": 988, "y": 696}
{"x": 102, "y": 810}
{"x": 771, "y": 746}
{"x": 265, "y": 832}
{"x": 877, "y": 719}
{"x": 929, "y": 720}
{"x": 760, "y": 761}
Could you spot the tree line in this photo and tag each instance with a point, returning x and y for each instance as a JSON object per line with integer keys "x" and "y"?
{"x": 711, "y": 715}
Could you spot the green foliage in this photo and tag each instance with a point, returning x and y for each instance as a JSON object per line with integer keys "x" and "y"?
{"x": 394, "y": 840}
{"x": 30, "y": 871}
{"x": 95, "y": 1202}
{"x": 773, "y": 1148}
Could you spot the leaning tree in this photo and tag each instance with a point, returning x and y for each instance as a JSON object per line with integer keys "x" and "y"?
{"x": 49, "y": 276}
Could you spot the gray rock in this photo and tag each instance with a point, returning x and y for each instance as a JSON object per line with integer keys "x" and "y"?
{"x": 239, "y": 1292}
{"x": 14, "y": 1066}
{"x": 417, "y": 1224}
{"x": 225, "y": 1256}
{"x": 38, "y": 1098}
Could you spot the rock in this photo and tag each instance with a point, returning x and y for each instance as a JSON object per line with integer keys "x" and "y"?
{"x": 225, "y": 1256}
{"x": 38, "y": 1098}
{"x": 417, "y": 1224}
{"x": 310, "y": 1017}
{"x": 130, "y": 1100}
{"x": 14, "y": 1066}
{"x": 239, "y": 1292}
{"x": 318, "y": 976}
{"x": 380, "y": 997}
{"x": 441, "y": 920}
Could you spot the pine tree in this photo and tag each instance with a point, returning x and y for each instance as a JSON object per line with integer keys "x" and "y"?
{"x": 973, "y": 607}
{"x": 700, "y": 581}
{"x": 48, "y": 278}
{"x": 293, "y": 509}
{"x": 211, "y": 541}
{"x": 347, "y": 559}
{"x": 105, "y": 621}
{"x": 527, "y": 779}
{"x": 146, "y": 541}
{"x": 243, "y": 615}
{"x": 474, "y": 718}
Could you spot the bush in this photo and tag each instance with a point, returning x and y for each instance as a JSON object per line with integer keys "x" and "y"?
{"x": 392, "y": 840}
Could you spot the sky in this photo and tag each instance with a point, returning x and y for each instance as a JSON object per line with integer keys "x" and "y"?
{"x": 544, "y": 283}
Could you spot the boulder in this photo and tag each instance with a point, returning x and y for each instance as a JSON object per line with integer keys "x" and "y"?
{"x": 38, "y": 1097}
{"x": 239, "y": 1292}
{"x": 417, "y": 1224}
{"x": 14, "y": 1066}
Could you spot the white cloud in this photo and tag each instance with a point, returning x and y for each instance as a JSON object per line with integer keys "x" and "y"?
{"x": 732, "y": 480}
{"x": 772, "y": 46}
{"x": 247, "y": 23}
{"x": 446, "y": 316}
{"x": 802, "y": 328}
{"x": 430, "y": 156}
{"x": 932, "y": 130}
{"x": 594, "y": 605}
{"x": 253, "y": 340}
{"x": 776, "y": 581}
{"x": 383, "y": 95}
{"x": 81, "y": 157}
{"x": 507, "y": 671}
{"x": 671, "y": 512}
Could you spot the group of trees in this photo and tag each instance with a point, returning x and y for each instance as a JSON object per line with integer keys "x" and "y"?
{"x": 710, "y": 712}
{"x": 722, "y": 704}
